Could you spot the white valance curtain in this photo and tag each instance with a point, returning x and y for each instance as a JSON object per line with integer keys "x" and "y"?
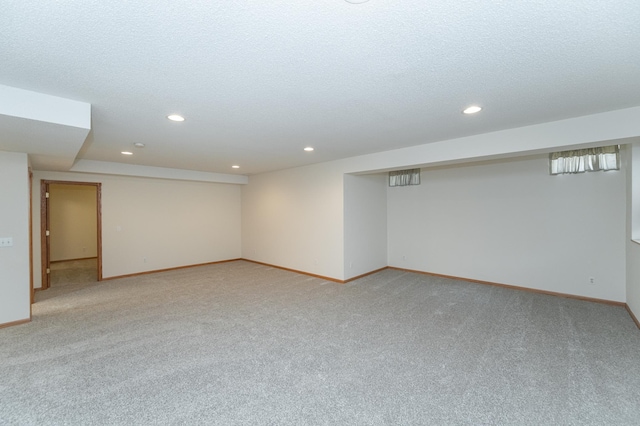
{"x": 404, "y": 177}
{"x": 585, "y": 160}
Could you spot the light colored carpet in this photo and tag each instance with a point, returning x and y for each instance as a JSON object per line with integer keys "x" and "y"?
{"x": 245, "y": 344}
{"x": 68, "y": 276}
{"x": 74, "y": 272}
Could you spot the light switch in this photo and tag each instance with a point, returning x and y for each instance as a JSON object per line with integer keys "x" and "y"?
{"x": 6, "y": 242}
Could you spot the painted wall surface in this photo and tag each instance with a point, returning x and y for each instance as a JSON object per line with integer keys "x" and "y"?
{"x": 293, "y": 219}
{"x": 510, "y": 222}
{"x": 72, "y": 222}
{"x": 275, "y": 205}
{"x": 633, "y": 221}
{"x": 590, "y": 130}
{"x": 365, "y": 223}
{"x": 38, "y": 106}
{"x": 151, "y": 224}
{"x": 14, "y": 223}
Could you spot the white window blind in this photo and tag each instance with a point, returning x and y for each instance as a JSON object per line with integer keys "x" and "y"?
{"x": 585, "y": 160}
{"x": 404, "y": 177}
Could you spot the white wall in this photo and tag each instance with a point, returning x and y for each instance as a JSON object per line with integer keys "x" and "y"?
{"x": 278, "y": 207}
{"x": 72, "y": 222}
{"x": 633, "y": 226}
{"x": 150, "y": 224}
{"x": 38, "y": 106}
{"x": 293, "y": 219}
{"x": 510, "y": 222}
{"x": 14, "y": 223}
{"x": 589, "y": 130}
{"x": 365, "y": 223}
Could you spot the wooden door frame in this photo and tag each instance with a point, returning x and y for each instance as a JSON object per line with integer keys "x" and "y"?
{"x": 44, "y": 224}
{"x": 31, "y": 289}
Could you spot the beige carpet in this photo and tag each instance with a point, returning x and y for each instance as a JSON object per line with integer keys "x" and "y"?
{"x": 245, "y": 344}
{"x": 74, "y": 272}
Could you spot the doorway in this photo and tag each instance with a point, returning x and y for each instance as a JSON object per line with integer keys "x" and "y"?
{"x": 71, "y": 238}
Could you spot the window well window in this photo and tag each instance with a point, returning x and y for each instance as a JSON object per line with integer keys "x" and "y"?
{"x": 404, "y": 177}
{"x": 585, "y": 160}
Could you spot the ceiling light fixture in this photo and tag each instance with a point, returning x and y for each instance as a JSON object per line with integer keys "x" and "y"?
{"x": 126, "y": 153}
{"x": 138, "y": 145}
{"x": 472, "y": 109}
{"x": 356, "y": 1}
{"x": 309, "y": 149}
{"x": 235, "y": 166}
{"x": 175, "y": 117}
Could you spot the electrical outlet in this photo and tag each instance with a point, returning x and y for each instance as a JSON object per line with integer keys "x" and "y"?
{"x": 6, "y": 242}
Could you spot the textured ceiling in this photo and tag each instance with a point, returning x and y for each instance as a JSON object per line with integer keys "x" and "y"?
{"x": 258, "y": 81}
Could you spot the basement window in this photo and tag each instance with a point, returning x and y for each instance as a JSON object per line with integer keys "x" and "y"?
{"x": 404, "y": 177}
{"x": 585, "y": 160}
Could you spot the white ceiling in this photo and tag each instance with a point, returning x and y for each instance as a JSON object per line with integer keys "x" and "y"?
{"x": 259, "y": 80}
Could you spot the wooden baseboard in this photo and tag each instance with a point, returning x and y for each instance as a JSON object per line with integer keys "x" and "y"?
{"x": 294, "y": 270}
{"x": 115, "y": 277}
{"x": 365, "y": 274}
{"x": 633, "y": 317}
{"x": 12, "y": 323}
{"x": 335, "y": 280}
{"x": 515, "y": 287}
{"x": 73, "y": 260}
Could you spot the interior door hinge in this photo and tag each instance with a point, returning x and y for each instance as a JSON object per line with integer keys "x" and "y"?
{"x": 46, "y": 195}
{"x": 46, "y": 232}
{"x": 48, "y": 271}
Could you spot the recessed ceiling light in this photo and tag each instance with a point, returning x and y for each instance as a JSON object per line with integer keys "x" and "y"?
{"x": 472, "y": 109}
{"x": 126, "y": 153}
{"x": 356, "y": 1}
{"x": 175, "y": 117}
{"x": 309, "y": 149}
{"x": 235, "y": 167}
{"x": 138, "y": 145}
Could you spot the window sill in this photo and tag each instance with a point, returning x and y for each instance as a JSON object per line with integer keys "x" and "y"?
{"x": 636, "y": 240}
